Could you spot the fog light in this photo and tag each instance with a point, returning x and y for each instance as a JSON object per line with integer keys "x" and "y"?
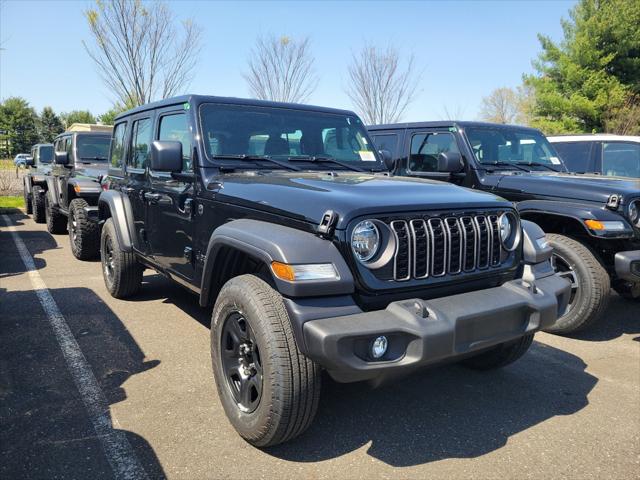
{"x": 379, "y": 347}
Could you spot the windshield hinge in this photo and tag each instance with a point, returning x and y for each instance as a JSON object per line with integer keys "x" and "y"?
{"x": 327, "y": 224}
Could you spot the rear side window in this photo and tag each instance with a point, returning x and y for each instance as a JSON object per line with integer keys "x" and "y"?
{"x": 621, "y": 159}
{"x": 425, "y": 148}
{"x": 140, "y": 144}
{"x": 117, "y": 145}
{"x": 45, "y": 154}
{"x": 174, "y": 128}
{"x": 387, "y": 141}
{"x": 576, "y": 155}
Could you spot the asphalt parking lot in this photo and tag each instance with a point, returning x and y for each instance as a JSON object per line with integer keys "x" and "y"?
{"x": 570, "y": 408}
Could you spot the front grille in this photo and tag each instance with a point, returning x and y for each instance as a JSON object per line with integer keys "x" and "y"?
{"x": 439, "y": 246}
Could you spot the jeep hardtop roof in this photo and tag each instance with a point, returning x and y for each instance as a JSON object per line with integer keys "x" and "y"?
{"x": 445, "y": 124}
{"x": 196, "y": 100}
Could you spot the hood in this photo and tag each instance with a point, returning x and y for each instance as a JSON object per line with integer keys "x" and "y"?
{"x": 592, "y": 188}
{"x": 307, "y": 196}
{"x": 93, "y": 170}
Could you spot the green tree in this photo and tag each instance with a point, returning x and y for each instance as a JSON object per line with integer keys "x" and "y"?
{"x": 110, "y": 115}
{"x": 77, "y": 116}
{"x": 49, "y": 125}
{"x": 18, "y": 124}
{"x": 593, "y": 73}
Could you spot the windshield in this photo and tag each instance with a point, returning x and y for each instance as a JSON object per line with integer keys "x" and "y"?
{"x": 285, "y": 134}
{"x": 493, "y": 145}
{"x": 46, "y": 154}
{"x": 93, "y": 147}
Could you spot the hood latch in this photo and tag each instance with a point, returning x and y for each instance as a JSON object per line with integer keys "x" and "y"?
{"x": 327, "y": 224}
{"x": 613, "y": 202}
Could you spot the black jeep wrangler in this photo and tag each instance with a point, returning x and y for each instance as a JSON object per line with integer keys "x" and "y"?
{"x": 73, "y": 188}
{"x": 593, "y": 223}
{"x": 35, "y": 180}
{"x": 285, "y": 219}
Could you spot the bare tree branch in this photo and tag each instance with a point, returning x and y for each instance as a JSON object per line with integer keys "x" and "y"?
{"x": 380, "y": 87}
{"x": 501, "y": 106}
{"x": 138, "y": 52}
{"x": 281, "y": 69}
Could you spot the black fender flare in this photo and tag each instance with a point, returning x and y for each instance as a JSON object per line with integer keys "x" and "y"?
{"x": 574, "y": 210}
{"x": 27, "y": 182}
{"x": 270, "y": 242}
{"x": 52, "y": 191}
{"x": 87, "y": 188}
{"x": 115, "y": 205}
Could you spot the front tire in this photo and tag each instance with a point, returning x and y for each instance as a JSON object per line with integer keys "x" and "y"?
{"x": 590, "y": 284}
{"x": 56, "y": 222}
{"x": 27, "y": 200}
{"x": 121, "y": 271}
{"x": 501, "y": 355}
{"x": 39, "y": 207}
{"x": 84, "y": 234}
{"x": 268, "y": 388}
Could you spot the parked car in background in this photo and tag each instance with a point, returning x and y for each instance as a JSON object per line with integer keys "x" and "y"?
{"x": 34, "y": 181}
{"x": 592, "y": 222}
{"x": 605, "y": 154}
{"x": 285, "y": 219}
{"x": 73, "y": 188}
{"x": 21, "y": 160}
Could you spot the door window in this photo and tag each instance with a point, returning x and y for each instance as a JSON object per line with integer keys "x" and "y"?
{"x": 387, "y": 142}
{"x": 425, "y": 148}
{"x": 174, "y": 128}
{"x": 621, "y": 159}
{"x": 575, "y": 155}
{"x": 117, "y": 145}
{"x": 140, "y": 144}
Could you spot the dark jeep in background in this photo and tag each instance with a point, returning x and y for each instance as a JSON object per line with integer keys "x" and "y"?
{"x": 34, "y": 180}
{"x": 73, "y": 188}
{"x": 593, "y": 223}
{"x": 285, "y": 219}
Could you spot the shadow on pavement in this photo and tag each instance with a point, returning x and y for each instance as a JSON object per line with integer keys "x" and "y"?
{"x": 46, "y": 431}
{"x": 447, "y": 412}
{"x": 621, "y": 317}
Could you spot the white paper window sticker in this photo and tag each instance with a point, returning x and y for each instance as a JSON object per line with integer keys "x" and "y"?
{"x": 367, "y": 156}
{"x": 555, "y": 160}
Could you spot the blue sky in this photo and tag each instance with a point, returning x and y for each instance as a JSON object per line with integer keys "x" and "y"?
{"x": 464, "y": 49}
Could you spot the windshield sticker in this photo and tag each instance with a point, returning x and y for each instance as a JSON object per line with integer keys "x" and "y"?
{"x": 367, "y": 156}
{"x": 555, "y": 160}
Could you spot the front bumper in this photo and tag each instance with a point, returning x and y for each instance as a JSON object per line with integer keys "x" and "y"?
{"x": 627, "y": 265}
{"x": 425, "y": 332}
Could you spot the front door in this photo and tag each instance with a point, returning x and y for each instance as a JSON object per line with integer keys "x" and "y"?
{"x": 170, "y": 202}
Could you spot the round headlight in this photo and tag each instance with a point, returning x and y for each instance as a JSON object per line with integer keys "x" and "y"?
{"x": 634, "y": 213}
{"x": 365, "y": 240}
{"x": 509, "y": 231}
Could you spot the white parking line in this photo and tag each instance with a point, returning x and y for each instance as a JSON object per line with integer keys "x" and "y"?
{"x": 118, "y": 450}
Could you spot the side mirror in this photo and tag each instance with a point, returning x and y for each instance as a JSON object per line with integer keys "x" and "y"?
{"x": 388, "y": 160}
{"x": 30, "y": 162}
{"x": 166, "y": 156}
{"x": 61, "y": 158}
{"x": 450, "y": 162}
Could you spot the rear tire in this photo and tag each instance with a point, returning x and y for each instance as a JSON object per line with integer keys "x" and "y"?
{"x": 591, "y": 285}
{"x": 56, "y": 222}
{"x": 84, "y": 234}
{"x": 27, "y": 200}
{"x": 121, "y": 271}
{"x": 37, "y": 197}
{"x": 282, "y": 403}
{"x": 501, "y": 355}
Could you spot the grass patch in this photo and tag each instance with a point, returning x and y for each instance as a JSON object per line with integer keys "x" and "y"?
{"x": 11, "y": 204}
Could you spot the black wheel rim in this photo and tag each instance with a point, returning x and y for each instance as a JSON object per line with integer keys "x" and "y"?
{"x": 241, "y": 362}
{"x": 564, "y": 269}
{"x": 108, "y": 261}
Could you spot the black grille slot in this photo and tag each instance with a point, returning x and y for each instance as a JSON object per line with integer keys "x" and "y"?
{"x": 438, "y": 247}
{"x": 401, "y": 267}
{"x": 420, "y": 248}
{"x": 469, "y": 232}
{"x": 456, "y": 245}
{"x": 484, "y": 246}
{"x": 495, "y": 244}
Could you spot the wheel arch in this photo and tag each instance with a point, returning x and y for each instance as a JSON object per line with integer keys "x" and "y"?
{"x": 113, "y": 204}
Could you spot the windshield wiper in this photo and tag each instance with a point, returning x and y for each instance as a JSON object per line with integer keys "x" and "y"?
{"x": 255, "y": 158}
{"x": 320, "y": 159}
{"x": 506, "y": 164}
{"x": 538, "y": 164}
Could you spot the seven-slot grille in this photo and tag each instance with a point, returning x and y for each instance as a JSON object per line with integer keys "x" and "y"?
{"x": 437, "y": 246}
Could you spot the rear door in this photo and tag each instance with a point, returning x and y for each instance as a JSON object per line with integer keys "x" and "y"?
{"x": 170, "y": 202}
